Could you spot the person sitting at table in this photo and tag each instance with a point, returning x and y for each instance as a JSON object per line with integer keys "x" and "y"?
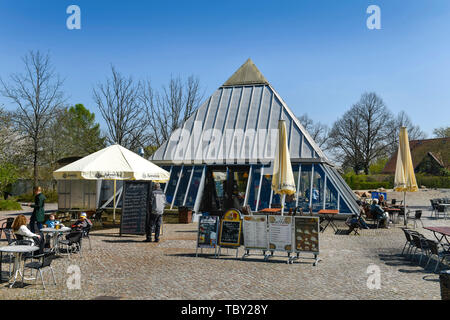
{"x": 359, "y": 217}
{"x": 82, "y": 223}
{"x": 50, "y": 223}
{"x": 77, "y": 228}
{"x": 21, "y": 230}
{"x": 382, "y": 202}
{"x": 381, "y": 215}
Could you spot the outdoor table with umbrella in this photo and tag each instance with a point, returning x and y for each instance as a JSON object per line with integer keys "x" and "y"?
{"x": 112, "y": 163}
{"x": 404, "y": 180}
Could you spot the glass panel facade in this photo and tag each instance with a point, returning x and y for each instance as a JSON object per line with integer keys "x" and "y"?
{"x": 291, "y": 200}
{"x": 318, "y": 188}
{"x": 172, "y": 183}
{"x": 182, "y": 186}
{"x": 304, "y": 187}
{"x": 331, "y": 196}
{"x": 167, "y": 168}
{"x": 264, "y": 196}
{"x": 239, "y": 187}
{"x": 193, "y": 188}
{"x": 343, "y": 208}
{"x": 254, "y": 187}
{"x": 220, "y": 180}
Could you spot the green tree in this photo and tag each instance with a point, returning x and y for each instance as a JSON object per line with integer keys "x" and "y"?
{"x": 72, "y": 132}
{"x": 8, "y": 175}
{"x": 81, "y": 131}
{"x": 377, "y": 166}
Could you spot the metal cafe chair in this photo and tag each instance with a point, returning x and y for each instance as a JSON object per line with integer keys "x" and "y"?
{"x": 434, "y": 204}
{"x": 409, "y": 244}
{"x": 45, "y": 260}
{"x": 440, "y": 209}
{"x": 420, "y": 242}
{"x": 440, "y": 255}
{"x": 417, "y": 217}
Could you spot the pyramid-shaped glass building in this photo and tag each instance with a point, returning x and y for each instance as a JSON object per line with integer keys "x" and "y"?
{"x": 222, "y": 156}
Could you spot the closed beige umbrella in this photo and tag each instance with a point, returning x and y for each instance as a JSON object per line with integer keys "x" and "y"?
{"x": 405, "y": 179}
{"x": 283, "y": 178}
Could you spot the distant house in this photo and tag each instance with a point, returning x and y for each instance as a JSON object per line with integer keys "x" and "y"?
{"x": 428, "y": 156}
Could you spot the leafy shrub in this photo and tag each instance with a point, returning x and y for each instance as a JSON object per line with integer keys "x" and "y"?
{"x": 372, "y": 182}
{"x": 433, "y": 181}
{"x": 50, "y": 196}
{"x": 366, "y": 182}
{"x": 6, "y": 205}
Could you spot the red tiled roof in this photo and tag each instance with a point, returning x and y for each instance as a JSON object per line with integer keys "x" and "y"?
{"x": 439, "y": 149}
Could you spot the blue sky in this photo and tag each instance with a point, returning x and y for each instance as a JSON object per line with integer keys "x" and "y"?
{"x": 319, "y": 55}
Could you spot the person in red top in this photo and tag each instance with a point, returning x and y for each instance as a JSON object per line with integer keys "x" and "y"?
{"x": 81, "y": 224}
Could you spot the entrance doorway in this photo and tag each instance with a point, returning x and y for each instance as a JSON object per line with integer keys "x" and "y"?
{"x": 225, "y": 188}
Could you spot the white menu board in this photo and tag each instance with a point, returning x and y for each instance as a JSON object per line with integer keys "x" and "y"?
{"x": 255, "y": 232}
{"x": 280, "y": 233}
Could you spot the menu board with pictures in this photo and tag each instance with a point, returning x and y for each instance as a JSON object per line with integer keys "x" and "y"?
{"x": 255, "y": 232}
{"x": 136, "y": 198}
{"x": 306, "y": 234}
{"x": 280, "y": 233}
{"x": 230, "y": 233}
{"x": 208, "y": 228}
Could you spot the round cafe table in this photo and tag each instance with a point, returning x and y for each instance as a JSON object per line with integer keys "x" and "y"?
{"x": 55, "y": 232}
{"x": 18, "y": 252}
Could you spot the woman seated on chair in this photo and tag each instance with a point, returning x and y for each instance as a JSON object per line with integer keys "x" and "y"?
{"x": 21, "y": 230}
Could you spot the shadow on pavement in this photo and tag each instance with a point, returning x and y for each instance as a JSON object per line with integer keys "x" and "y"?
{"x": 124, "y": 241}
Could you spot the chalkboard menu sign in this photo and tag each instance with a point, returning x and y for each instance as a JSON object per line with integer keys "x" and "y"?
{"x": 136, "y": 202}
{"x": 306, "y": 234}
{"x": 280, "y": 233}
{"x": 208, "y": 229}
{"x": 230, "y": 233}
{"x": 255, "y": 232}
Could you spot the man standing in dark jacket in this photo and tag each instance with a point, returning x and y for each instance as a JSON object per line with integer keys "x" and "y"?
{"x": 38, "y": 215}
{"x": 154, "y": 219}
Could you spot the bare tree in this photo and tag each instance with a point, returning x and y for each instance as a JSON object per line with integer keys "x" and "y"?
{"x": 442, "y": 132}
{"x": 318, "y": 131}
{"x": 414, "y": 131}
{"x": 168, "y": 109}
{"x": 362, "y": 134}
{"x": 4, "y": 131}
{"x": 119, "y": 103}
{"x": 36, "y": 94}
{"x": 345, "y": 141}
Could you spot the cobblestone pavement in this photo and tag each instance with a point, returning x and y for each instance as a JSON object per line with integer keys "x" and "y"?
{"x": 126, "y": 268}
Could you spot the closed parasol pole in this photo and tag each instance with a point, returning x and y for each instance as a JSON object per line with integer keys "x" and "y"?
{"x": 114, "y": 202}
{"x": 405, "y": 179}
{"x": 283, "y": 177}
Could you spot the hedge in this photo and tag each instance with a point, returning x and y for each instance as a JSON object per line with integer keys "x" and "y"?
{"x": 6, "y": 205}
{"x": 50, "y": 197}
{"x": 366, "y": 182}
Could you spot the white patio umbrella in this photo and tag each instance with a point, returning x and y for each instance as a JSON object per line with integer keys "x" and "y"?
{"x": 112, "y": 163}
{"x": 405, "y": 179}
{"x": 283, "y": 177}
